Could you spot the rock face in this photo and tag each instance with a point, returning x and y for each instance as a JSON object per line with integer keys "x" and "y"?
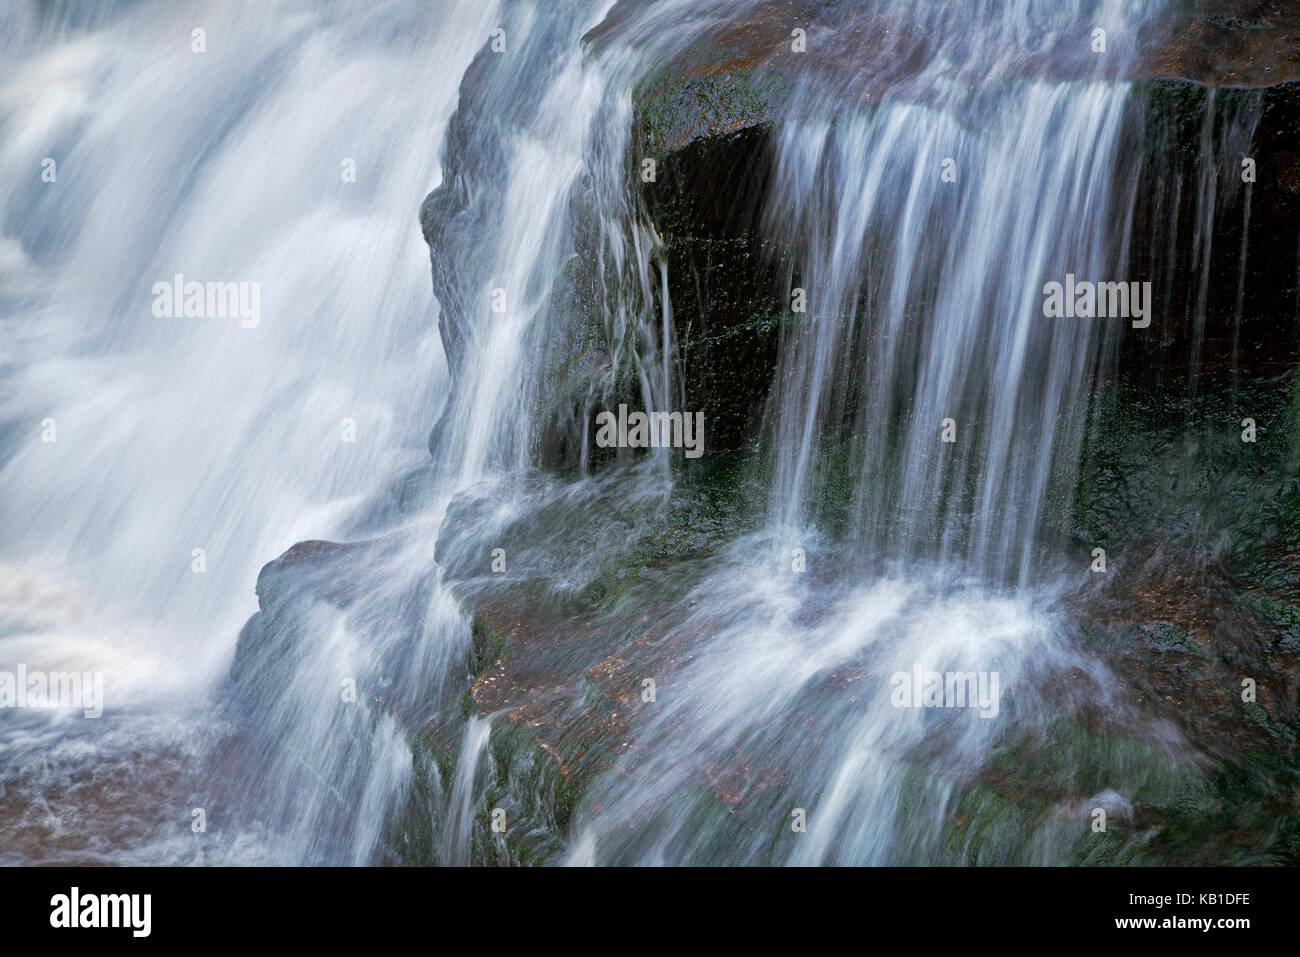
{"x": 1229, "y": 43}
{"x": 742, "y": 73}
{"x": 724, "y": 280}
{"x": 1201, "y": 529}
{"x": 1200, "y": 525}
{"x": 706, "y": 115}
{"x": 1199, "y": 146}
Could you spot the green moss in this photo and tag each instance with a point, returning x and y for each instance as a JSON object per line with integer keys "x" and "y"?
{"x": 486, "y": 646}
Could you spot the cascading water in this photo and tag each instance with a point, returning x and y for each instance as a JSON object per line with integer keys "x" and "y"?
{"x": 949, "y": 330}
{"x": 923, "y": 302}
{"x": 176, "y": 434}
{"x": 775, "y": 655}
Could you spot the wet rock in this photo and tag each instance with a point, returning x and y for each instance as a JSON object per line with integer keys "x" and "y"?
{"x": 742, "y": 73}
{"x": 1202, "y": 533}
{"x": 724, "y": 280}
{"x": 1200, "y": 529}
{"x": 1228, "y": 43}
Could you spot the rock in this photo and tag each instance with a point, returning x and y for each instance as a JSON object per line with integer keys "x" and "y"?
{"x": 1227, "y": 43}
{"x": 1201, "y": 532}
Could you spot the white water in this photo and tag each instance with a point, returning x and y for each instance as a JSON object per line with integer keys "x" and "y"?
{"x": 176, "y": 434}
{"x": 456, "y": 836}
{"x": 949, "y": 323}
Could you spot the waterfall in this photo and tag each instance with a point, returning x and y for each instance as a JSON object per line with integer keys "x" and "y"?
{"x": 178, "y": 434}
{"x": 457, "y": 839}
{"x": 181, "y": 434}
{"x": 432, "y": 455}
{"x": 924, "y": 309}
{"x": 924, "y": 230}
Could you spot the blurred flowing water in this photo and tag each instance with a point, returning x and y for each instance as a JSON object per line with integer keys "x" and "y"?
{"x": 947, "y": 327}
{"x": 924, "y": 307}
{"x": 175, "y": 434}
